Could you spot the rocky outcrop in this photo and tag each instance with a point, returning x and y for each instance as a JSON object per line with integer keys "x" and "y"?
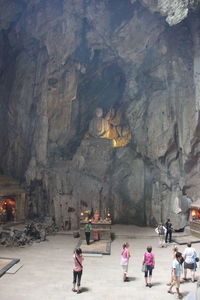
{"x": 62, "y": 60}
{"x": 174, "y": 11}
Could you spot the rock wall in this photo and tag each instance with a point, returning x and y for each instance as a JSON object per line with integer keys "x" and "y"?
{"x": 60, "y": 61}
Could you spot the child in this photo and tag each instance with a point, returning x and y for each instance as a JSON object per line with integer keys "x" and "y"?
{"x": 125, "y": 255}
{"x": 176, "y": 266}
{"x": 77, "y": 270}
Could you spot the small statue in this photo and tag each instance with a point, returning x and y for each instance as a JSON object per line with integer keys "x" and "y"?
{"x": 99, "y": 127}
{"x": 119, "y": 132}
{"x": 109, "y": 127}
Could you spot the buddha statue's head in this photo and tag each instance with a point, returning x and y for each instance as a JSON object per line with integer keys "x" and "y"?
{"x": 99, "y": 112}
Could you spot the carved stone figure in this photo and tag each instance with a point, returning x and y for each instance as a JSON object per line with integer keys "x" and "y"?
{"x": 109, "y": 127}
{"x": 120, "y": 134}
{"x": 99, "y": 127}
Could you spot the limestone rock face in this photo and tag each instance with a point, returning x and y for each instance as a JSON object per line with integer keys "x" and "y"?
{"x": 175, "y": 11}
{"x": 60, "y": 61}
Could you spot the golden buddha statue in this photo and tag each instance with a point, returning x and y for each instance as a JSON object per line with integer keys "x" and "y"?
{"x": 99, "y": 127}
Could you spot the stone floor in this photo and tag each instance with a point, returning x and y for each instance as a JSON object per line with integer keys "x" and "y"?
{"x": 95, "y": 247}
{"x": 47, "y": 270}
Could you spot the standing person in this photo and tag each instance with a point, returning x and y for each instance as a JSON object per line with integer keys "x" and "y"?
{"x": 168, "y": 226}
{"x": 87, "y": 232}
{"x": 189, "y": 255}
{"x": 77, "y": 270}
{"x": 149, "y": 261}
{"x": 125, "y": 255}
{"x": 176, "y": 267}
{"x": 161, "y": 231}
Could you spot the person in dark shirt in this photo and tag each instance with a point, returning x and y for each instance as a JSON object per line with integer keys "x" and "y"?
{"x": 87, "y": 232}
{"x": 168, "y": 226}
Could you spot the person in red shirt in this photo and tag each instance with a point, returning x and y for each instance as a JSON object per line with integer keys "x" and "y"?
{"x": 77, "y": 270}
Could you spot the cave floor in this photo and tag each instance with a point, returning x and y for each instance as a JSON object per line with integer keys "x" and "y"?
{"x": 47, "y": 270}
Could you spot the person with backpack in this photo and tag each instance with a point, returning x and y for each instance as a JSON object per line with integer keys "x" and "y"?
{"x": 161, "y": 231}
{"x": 77, "y": 270}
{"x": 168, "y": 226}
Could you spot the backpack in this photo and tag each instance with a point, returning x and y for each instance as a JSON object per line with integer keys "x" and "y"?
{"x": 161, "y": 230}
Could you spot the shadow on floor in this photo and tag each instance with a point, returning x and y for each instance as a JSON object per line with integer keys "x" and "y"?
{"x": 132, "y": 278}
{"x": 84, "y": 289}
{"x": 156, "y": 284}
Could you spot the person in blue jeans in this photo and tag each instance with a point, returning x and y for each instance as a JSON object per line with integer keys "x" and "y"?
{"x": 149, "y": 261}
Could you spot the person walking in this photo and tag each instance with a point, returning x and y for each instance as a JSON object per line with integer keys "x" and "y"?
{"x": 176, "y": 267}
{"x": 124, "y": 261}
{"x": 168, "y": 226}
{"x": 77, "y": 270}
{"x": 189, "y": 255}
{"x": 174, "y": 251}
{"x": 87, "y": 232}
{"x": 161, "y": 231}
{"x": 149, "y": 262}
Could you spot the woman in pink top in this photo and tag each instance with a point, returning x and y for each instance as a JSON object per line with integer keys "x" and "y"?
{"x": 77, "y": 270}
{"x": 149, "y": 261}
{"x": 125, "y": 255}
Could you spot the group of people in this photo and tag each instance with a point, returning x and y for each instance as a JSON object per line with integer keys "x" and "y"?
{"x": 164, "y": 233}
{"x": 187, "y": 260}
{"x": 148, "y": 263}
{"x": 181, "y": 262}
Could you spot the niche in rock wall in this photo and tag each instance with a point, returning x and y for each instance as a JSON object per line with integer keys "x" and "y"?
{"x": 12, "y": 201}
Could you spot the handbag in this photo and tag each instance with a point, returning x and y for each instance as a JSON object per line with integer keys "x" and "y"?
{"x": 144, "y": 268}
{"x": 197, "y": 259}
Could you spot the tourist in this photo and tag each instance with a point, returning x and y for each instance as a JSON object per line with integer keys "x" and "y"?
{"x": 174, "y": 251}
{"x": 161, "y": 231}
{"x": 168, "y": 226}
{"x": 149, "y": 262}
{"x": 77, "y": 270}
{"x": 125, "y": 255}
{"x": 189, "y": 255}
{"x": 176, "y": 267}
{"x": 87, "y": 232}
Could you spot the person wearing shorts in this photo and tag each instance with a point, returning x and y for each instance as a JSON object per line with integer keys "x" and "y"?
{"x": 125, "y": 255}
{"x": 189, "y": 256}
{"x": 176, "y": 267}
{"x": 149, "y": 261}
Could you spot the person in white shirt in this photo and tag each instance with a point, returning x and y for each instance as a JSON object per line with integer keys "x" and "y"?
{"x": 161, "y": 231}
{"x": 189, "y": 256}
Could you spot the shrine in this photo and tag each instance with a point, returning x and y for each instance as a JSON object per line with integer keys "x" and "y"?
{"x": 12, "y": 200}
{"x": 195, "y": 218}
{"x": 100, "y": 226}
